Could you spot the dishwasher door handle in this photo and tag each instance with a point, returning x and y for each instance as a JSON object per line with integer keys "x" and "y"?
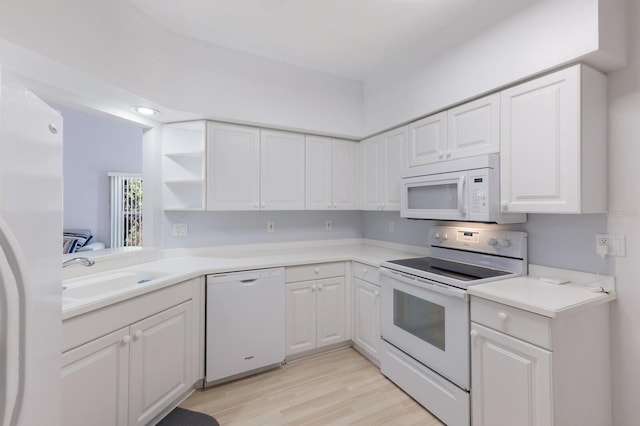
{"x": 249, "y": 281}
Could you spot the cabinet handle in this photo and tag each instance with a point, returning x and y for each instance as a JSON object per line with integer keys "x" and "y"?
{"x": 319, "y": 287}
{"x": 502, "y": 316}
{"x": 376, "y": 293}
{"x": 316, "y": 271}
{"x": 448, "y": 154}
{"x": 473, "y": 334}
{"x": 364, "y": 271}
{"x": 505, "y": 206}
{"x": 313, "y": 288}
{"x": 329, "y": 205}
{"x": 137, "y": 334}
{"x": 264, "y": 205}
{"x": 441, "y": 154}
{"x": 126, "y": 339}
{"x": 256, "y": 205}
{"x": 335, "y": 206}
{"x": 381, "y": 206}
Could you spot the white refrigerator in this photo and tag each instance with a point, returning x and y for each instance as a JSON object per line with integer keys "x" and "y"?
{"x": 30, "y": 258}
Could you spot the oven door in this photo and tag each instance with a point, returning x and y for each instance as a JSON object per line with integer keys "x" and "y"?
{"x": 442, "y": 196}
{"x": 429, "y": 321}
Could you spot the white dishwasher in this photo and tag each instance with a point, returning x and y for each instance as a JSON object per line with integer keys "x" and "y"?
{"x": 245, "y": 322}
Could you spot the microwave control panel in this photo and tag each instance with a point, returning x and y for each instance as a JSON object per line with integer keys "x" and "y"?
{"x": 479, "y": 194}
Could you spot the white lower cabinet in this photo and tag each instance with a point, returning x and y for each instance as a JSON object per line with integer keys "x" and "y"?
{"x": 532, "y": 370}
{"x": 95, "y": 382}
{"x": 316, "y": 314}
{"x": 132, "y": 375}
{"x": 366, "y": 310}
{"x": 160, "y": 357}
{"x": 511, "y": 380}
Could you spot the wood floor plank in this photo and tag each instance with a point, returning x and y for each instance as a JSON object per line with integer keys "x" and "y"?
{"x": 335, "y": 388}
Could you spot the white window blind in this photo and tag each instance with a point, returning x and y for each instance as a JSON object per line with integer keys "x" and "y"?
{"x": 126, "y": 209}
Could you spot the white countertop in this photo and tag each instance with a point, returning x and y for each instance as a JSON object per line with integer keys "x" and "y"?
{"x": 181, "y": 268}
{"x": 531, "y": 294}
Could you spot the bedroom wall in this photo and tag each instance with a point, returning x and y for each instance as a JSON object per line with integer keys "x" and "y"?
{"x": 93, "y": 146}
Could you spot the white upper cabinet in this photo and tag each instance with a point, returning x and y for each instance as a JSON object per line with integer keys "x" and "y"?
{"x": 233, "y": 164}
{"x": 330, "y": 174}
{"x": 382, "y": 159}
{"x": 183, "y": 166}
{"x": 474, "y": 128}
{"x": 253, "y": 169}
{"x": 344, "y": 189}
{"x": 427, "y": 140}
{"x": 464, "y": 131}
{"x": 282, "y": 174}
{"x": 553, "y": 144}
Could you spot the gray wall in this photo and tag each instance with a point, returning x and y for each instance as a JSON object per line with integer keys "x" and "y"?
{"x": 562, "y": 241}
{"x": 228, "y": 228}
{"x": 93, "y": 146}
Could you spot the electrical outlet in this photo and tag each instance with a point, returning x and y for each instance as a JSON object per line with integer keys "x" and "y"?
{"x": 610, "y": 245}
{"x": 602, "y": 244}
{"x": 271, "y": 226}
{"x": 328, "y": 226}
{"x": 392, "y": 226}
{"x": 180, "y": 229}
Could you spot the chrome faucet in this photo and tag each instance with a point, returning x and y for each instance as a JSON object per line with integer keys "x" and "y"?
{"x": 81, "y": 260}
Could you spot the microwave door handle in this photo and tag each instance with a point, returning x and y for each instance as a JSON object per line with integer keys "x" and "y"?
{"x": 461, "y": 204}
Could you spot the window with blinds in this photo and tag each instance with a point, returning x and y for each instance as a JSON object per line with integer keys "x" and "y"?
{"x": 126, "y": 209}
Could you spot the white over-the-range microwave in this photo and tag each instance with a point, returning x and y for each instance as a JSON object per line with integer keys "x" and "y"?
{"x": 466, "y": 189}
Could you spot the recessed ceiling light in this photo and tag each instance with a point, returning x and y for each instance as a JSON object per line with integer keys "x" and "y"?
{"x": 145, "y": 110}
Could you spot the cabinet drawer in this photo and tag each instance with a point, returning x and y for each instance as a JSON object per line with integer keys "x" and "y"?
{"x": 366, "y": 272}
{"x": 527, "y": 326}
{"x": 314, "y": 272}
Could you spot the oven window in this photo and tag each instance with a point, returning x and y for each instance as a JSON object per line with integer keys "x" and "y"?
{"x": 422, "y": 318}
{"x": 433, "y": 197}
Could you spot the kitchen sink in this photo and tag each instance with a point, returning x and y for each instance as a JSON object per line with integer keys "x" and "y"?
{"x": 103, "y": 284}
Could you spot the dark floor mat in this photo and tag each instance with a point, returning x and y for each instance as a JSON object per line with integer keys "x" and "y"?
{"x": 181, "y": 417}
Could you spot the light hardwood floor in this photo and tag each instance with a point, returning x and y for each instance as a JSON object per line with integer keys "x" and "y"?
{"x": 336, "y": 388}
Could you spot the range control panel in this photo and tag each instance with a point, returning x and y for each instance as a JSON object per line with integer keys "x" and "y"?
{"x": 504, "y": 243}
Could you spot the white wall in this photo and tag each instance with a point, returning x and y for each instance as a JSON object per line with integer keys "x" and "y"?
{"x": 624, "y": 205}
{"x": 92, "y": 147}
{"x": 114, "y": 41}
{"x": 540, "y": 37}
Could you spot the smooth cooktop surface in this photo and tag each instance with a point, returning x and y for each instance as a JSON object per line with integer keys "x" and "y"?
{"x": 455, "y": 270}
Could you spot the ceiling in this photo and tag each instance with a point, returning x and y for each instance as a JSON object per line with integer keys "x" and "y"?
{"x": 352, "y": 39}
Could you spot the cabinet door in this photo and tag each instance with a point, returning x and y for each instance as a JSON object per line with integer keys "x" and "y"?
{"x": 282, "y": 173}
{"x": 540, "y": 146}
{"x": 233, "y": 167}
{"x": 95, "y": 382}
{"x": 300, "y": 320}
{"x": 160, "y": 362}
{"x": 427, "y": 140}
{"x": 331, "y": 311}
{"x": 318, "y": 173}
{"x": 370, "y": 173}
{"x": 510, "y": 380}
{"x": 474, "y": 128}
{"x": 367, "y": 317}
{"x": 343, "y": 175}
{"x": 394, "y": 145}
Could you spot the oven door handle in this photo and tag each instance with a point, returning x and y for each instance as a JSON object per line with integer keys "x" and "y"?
{"x": 427, "y": 285}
